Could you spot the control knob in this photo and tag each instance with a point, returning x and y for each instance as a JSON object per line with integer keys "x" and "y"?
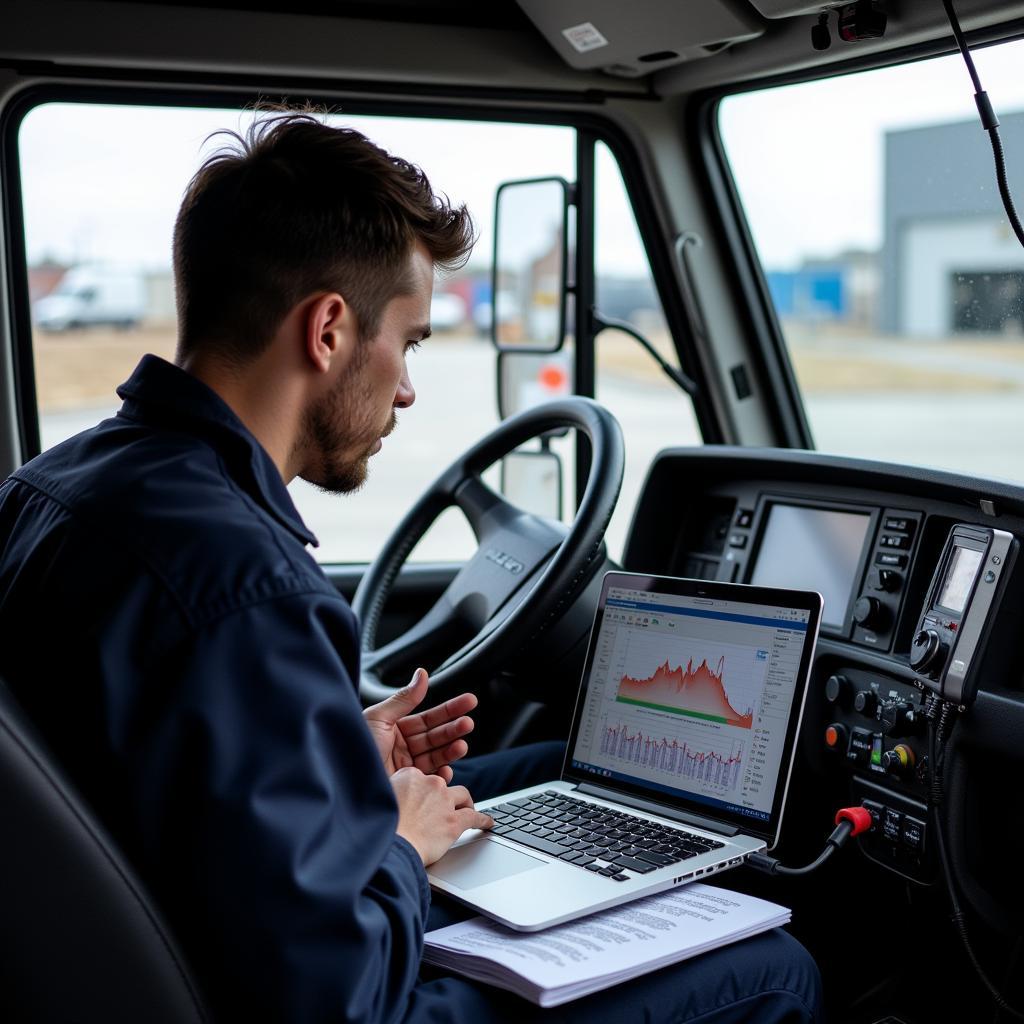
{"x": 927, "y": 651}
{"x": 896, "y": 717}
{"x": 898, "y": 760}
{"x": 887, "y": 580}
{"x": 865, "y": 702}
{"x": 836, "y": 688}
{"x": 869, "y": 613}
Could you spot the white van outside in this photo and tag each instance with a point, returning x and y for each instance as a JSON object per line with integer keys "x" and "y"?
{"x": 91, "y": 295}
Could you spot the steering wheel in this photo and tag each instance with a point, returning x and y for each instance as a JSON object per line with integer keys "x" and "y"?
{"x": 525, "y": 570}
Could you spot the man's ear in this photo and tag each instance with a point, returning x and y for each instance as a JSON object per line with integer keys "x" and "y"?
{"x": 330, "y": 331}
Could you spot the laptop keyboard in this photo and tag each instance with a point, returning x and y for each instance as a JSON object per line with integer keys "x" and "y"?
{"x": 609, "y": 843}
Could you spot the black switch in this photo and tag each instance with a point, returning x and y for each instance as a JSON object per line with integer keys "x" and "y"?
{"x": 738, "y": 540}
{"x": 860, "y": 746}
{"x": 888, "y": 558}
{"x": 895, "y": 540}
{"x": 912, "y": 833}
{"x": 900, "y": 524}
{"x": 891, "y": 822}
{"x": 889, "y": 580}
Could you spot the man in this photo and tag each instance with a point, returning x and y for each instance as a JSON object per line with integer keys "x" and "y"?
{"x": 193, "y": 667}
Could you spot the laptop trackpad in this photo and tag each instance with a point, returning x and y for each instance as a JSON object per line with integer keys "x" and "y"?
{"x": 482, "y": 862}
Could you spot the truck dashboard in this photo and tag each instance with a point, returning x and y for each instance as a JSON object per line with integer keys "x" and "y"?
{"x": 875, "y": 540}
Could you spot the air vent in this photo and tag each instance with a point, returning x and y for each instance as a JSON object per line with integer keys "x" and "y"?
{"x": 622, "y": 70}
{"x": 653, "y": 58}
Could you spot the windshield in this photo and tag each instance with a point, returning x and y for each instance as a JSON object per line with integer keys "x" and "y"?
{"x": 896, "y": 279}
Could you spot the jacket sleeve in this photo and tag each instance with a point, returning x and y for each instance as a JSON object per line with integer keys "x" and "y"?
{"x": 270, "y": 823}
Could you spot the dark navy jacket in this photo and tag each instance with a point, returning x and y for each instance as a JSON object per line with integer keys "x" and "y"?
{"x": 164, "y": 624}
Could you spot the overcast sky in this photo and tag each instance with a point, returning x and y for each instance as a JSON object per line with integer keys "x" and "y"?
{"x": 808, "y": 158}
{"x": 104, "y": 183}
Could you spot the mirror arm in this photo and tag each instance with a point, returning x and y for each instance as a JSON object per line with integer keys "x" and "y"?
{"x": 601, "y": 323}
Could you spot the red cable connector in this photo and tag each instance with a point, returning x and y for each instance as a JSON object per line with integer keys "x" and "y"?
{"x": 850, "y": 821}
{"x": 859, "y": 817}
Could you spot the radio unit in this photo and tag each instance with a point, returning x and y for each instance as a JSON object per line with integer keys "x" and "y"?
{"x": 958, "y": 611}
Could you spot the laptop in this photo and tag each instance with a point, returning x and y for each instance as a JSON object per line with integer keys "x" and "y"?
{"x": 678, "y": 760}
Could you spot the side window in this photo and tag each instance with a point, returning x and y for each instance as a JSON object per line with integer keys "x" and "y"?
{"x": 98, "y": 240}
{"x": 897, "y": 282}
{"x": 652, "y": 410}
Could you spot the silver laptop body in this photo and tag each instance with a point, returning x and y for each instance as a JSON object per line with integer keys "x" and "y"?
{"x": 678, "y": 761}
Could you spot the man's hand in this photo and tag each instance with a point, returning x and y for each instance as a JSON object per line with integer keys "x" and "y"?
{"x": 429, "y": 741}
{"x": 431, "y": 814}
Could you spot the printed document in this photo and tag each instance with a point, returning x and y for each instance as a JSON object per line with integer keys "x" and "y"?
{"x": 572, "y": 960}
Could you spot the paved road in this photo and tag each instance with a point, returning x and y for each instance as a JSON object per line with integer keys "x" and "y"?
{"x": 977, "y": 434}
{"x": 974, "y": 433}
{"x": 954, "y": 355}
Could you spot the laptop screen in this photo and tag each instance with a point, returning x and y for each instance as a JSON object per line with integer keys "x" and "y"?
{"x": 692, "y": 695}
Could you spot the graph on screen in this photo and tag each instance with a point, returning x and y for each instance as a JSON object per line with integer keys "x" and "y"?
{"x": 716, "y": 764}
{"x": 721, "y": 683}
{"x": 697, "y": 691}
{"x": 693, "y": 699}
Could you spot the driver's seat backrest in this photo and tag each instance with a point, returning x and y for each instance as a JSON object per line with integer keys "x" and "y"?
{"x": 80, "y": 939}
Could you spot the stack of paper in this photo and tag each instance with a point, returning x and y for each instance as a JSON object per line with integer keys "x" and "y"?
{"x": 572, "y": 960}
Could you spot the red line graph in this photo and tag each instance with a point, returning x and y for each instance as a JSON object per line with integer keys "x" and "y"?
{"x": 699, "y": 692}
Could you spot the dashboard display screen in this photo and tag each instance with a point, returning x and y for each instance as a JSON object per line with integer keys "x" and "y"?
{"x": 956, "y": 588}
{"x": 813, "y": 549}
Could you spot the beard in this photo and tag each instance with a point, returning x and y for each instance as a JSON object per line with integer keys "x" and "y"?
{"x": 341, "y": 437}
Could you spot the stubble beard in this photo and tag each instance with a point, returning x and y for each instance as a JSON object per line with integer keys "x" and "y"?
{"x": 335, "y": 427}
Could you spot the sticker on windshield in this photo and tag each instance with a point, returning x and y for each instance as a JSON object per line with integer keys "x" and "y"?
{"x": 584, "y": 37}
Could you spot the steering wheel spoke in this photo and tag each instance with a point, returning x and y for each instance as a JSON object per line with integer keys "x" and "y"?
{"x": 485, "y": 509}
{"x": 513, "y": 544}
{"x": 494, "y": 623}
{"x": 435, "y": 632}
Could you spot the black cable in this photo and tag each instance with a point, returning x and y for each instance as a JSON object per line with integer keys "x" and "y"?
{"x": 989, "y": 122}
{"x": 958, "y": 918}
{"x": 1004, "y": 186}
{"x": 770, "y": 866}
{"x": 602, "y": 323}
{"x": 958, "y": 35}
{"x": 807, "y": 868}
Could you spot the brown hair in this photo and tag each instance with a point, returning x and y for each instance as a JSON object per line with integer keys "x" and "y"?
{"x": 292, "y": 208}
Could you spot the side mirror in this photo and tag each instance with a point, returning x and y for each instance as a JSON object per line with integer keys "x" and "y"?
{"x": 533, "y": 479}
{"x": 526, "y": 379}
{"x": 529, "y": 276}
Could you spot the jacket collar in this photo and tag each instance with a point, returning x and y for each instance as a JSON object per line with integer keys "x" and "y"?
{"x": 163, "y": 394}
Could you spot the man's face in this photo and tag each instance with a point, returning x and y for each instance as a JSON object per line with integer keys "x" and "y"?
{"x": 345, "y": 427}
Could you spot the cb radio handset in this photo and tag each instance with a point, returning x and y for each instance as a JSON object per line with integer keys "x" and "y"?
{"x": 958, "y": 611}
